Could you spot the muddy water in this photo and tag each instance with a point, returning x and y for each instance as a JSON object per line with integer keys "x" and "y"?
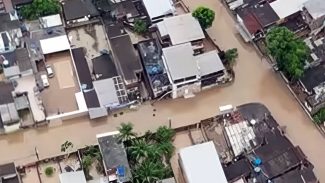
{"x": 255, "y": 82}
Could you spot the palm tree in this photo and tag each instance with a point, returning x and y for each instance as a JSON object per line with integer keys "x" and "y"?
{"x": 126, "y": 131}
{"x": 164, "y": 134}
{"x": 149, "y": 171}
{"x": 167, "y": 149}
{"x": 140, "y": 150}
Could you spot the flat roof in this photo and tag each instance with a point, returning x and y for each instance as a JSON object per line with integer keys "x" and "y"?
{"x": 73, "y": 177}
{"x": 85, "y": 8}
{"x": 285, "y": 8}
{"x": 114, "y": 154}
{"x": 104, "y": 67}
{"x": 316, "y": 8}
{"x": 82, "y": 67}
{"x": 181, "y": 28}
{"x": 209, "y": 63}
{"x": 91, "y": 98}
{"x": 200, "y": 163}
{"x": 23, "y": 59}
{"x": 8, "y": 24}
{"x": 111, "y": 92}
{"x": 157, "y": 8}
{"x": 180, "y": 61}
{"x": 6, "y": 90}
{"x": 313, "y": 77}
{"x": 265, "y": 14}
{"x": 55, "y": 44}
{"x": 126, "y": 57}
{"x": 51, "y": 21}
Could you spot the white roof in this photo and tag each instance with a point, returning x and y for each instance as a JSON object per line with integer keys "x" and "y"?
{"x": 106, "y": 92}
{"x": 157, "y": 8}
{"x": 55, "y": 44}
{"x": 181, "y": 29}
{"x": 209, "y": 63}
{"x": 285, "y": 8}
{"x": 72, "y": 177}
{"x": 51, "y": 21}
{"x": 200, "y": 163}
{"x": 316, "y": 8}
{"x": 180, "y": 61}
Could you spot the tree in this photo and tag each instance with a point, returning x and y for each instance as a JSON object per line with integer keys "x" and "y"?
{"x": 319, "y": 117}
{"x": 49, "y": 171}
{"x": 126, "y": 131}
{"x": 66, "y": 146}
{"x": 149, "y": 171}
{"x": 231, "y": 56}
{"x": 204, "y": 15}
{"x": 140, "y": 149}
{"x": 140, "y": 26}
{"x": 166, "y": 148}
{"x": 40, "y": 8}
{"x": 289, "y": 52}
{"x": 164, "y": 134}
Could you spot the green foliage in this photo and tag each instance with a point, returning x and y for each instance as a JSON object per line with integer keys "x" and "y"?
{"x": 290, "y": 52}
{"x": 140, "y": 149}
{"x": 126, "y": 131}
{"x": 205, "y": 16}
{"x": 87, "y": 162}
{"x": 140, "y": 26}
{"x": 49, "y": 171}
{"x": 164, "y": 134}
{"x": 93, "y": 152}
{"x": 67, "y": 145}
{"x": 39, "y": 8}
{"x": 319, "y": 117}
{"x": 231, "y": 56}
{"x": 166, "y": 148}
{"x": 150, "y": 171}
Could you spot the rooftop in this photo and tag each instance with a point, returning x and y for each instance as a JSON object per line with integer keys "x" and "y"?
{"x": 51, "y": 21}
{"x": 209, "y": 63}
{"x": 180, "y": 61}
{"x": 151, "y": 54}
{"x": 104, "y": 67}
{"x": 114, "y": 154}
{"x": 285, "y": 8}
{"x": 126, "y": 58}
{"x": 73, "y": 177}
{"x": 181, "y": 29}
{"x": 7, "y": 23}
{"x": 83, "y": 71}
{"x": 23, "y": 59}
{"x": 158, "y": 8}
{"x": 111, "y": 92}
{"x": 240, "y": 168}
{"x": 8, "y": 173}
{"x": 6, "y": 90}
{"x": 202, "y": 159}
{"x": 313, "y": 77}
{"x": 316, "y": 8}
{"x": 85, "y": 9}
{"x": 317, "y": 48}
{"x": 55, "y": 44}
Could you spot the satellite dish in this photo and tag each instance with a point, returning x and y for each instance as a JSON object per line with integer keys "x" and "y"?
{"x": 5, "y": 62}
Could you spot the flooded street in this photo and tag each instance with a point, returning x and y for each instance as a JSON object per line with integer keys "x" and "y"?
{"x": 255, "y": 82}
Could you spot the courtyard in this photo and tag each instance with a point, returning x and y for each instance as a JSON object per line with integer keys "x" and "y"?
{"x": 59, "y": 97}
{"x": 255, "y": 82}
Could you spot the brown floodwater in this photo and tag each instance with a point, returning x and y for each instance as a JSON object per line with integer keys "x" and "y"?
{"x": 255, "y": 82}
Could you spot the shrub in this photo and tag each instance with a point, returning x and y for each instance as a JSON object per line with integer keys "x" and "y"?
{"x": 205, "y": 16}
{"x": 49, "y": 171}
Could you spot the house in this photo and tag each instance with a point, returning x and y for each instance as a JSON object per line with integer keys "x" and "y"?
{"x": 114, "y": 155}
{"x": 72, "y": 177}
{"x": 104, "y": 67}
{"x": 313, "y": 83}
{"x": 159, "y": 9}
{"x": 201, "y": 159}
{"x": 8, "y": 112}
{"x": 16, "y": 63}
{"x": 50, "y": 21}
{"x": 253, "y": 21}
{"x": 314, "y": 11}
{"x": 188, "y": 74}
{"x": 9, "y": 174}
{"x": 181, "y": 29}
{"x": 76, "y": 11}
{"x": 10, "y": 32}
{"x": 124, "y": 54}
{"x": 156, "y": 72}
{"x": 317, "y": 49}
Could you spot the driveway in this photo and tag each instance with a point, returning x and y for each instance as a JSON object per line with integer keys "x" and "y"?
{"x": 255, "y": 82}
